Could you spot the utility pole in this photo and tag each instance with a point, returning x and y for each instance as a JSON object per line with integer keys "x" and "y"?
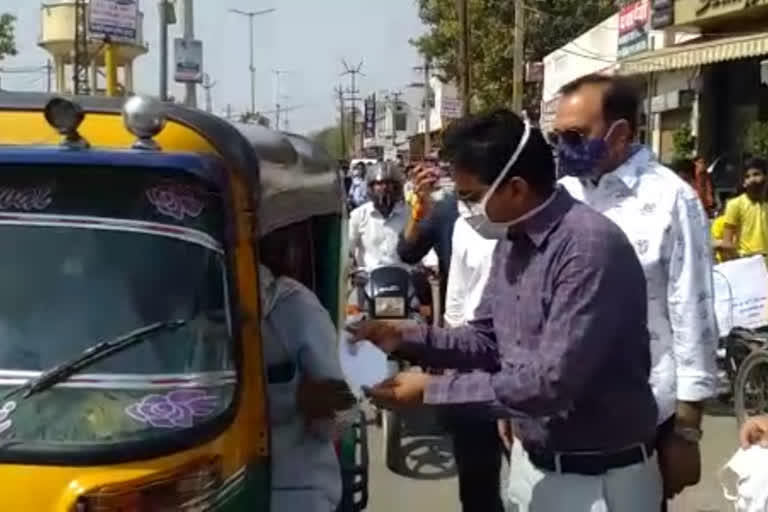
{"x": 353, "y": 91}
{"x": 49, "y": 75}
{"x": 464, "y": 59}
{"x": 251, "y": 68}
{"x": 190, "y": 99}
{"x": 340, "y": 95}
{"x": 518, "y": 63}
{"x": 278, "y": 73}
{"x": 162, "y": 8}
{"x": 229, "y": 111}
{"x": 208, "y": 85}
{"x": 426, "y": 103}
{"x": 81, "y": 60}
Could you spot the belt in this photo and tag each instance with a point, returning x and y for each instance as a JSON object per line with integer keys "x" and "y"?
{"x": 590, "y": 463}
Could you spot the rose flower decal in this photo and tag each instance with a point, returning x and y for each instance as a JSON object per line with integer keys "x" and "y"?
{"x": 177, "y": 409}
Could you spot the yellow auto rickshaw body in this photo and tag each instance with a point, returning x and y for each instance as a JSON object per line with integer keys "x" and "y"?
{"x": 203, "y": 460}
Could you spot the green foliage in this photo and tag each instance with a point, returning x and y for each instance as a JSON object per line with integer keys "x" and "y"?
{"x": 331, "y": 140}
{"x": 683, "y": 142}
{"x": 757, "y": 139}
{"x": 7, "y": 36}
{"x": 549, "y": 25}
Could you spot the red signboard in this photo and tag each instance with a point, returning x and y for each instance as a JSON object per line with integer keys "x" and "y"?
{"x": 633, "y": 28}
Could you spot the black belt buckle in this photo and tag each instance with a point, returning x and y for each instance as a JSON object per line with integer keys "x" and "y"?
{"x": 591, "y": 464}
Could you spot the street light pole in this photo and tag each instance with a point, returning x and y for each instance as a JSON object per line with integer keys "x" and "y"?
{"x": 251, "y": 66}
{"x": 189, "y": 34}
{"x": 163, "y": 13}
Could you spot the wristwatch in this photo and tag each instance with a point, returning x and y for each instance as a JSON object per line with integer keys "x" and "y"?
{"x": 692, "y": 435}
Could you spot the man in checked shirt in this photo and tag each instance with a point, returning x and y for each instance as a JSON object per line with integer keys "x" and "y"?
{"x": 559, "y": 343}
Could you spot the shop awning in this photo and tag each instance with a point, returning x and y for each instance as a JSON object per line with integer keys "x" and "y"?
{"x": 696, "y": 54}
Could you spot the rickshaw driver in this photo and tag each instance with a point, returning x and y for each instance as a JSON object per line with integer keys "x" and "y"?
{"x": 306, "y": 386}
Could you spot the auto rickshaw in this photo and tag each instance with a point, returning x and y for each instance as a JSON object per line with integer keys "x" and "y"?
{"x": 115, "y": 216}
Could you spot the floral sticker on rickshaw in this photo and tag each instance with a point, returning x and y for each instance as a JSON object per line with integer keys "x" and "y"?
{"x": 176, "y": 200}
{"x": 5, "y": 412}
{"x": 26, "y": 199}
{"x": 177, "y": 409}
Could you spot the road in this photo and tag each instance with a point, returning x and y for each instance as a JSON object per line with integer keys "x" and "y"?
{"x": 389, "y": 491}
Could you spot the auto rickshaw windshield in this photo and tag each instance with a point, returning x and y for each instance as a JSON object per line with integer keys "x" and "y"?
{"x": 92, "y": 257}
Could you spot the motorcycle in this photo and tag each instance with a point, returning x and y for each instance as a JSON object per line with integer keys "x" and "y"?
{"x": 395, "y": 294}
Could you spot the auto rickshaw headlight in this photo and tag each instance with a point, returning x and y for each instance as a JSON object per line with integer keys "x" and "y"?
{"x": 144, "y": 117}
{"x": 66, "y": 116}
{"x": 191, "y": 487}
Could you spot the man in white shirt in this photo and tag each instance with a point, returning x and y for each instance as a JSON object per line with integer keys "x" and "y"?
{"x": 375, "y": 227}
{"x": 664, "y": 219}
{"x": 469, "y": 270}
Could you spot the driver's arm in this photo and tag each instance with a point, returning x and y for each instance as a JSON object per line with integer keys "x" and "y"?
{"x": 355, "y": 233}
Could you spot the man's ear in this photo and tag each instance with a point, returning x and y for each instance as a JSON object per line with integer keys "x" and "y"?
{"x": 622, "y": 132}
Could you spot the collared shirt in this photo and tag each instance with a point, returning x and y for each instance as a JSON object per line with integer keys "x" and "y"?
{"x": 471, "y": 258}
{"x": 560, "y": 342}
{"x": 665, "y": 221}
{"x": 750, "y": 220}
{"x": 373, "y": 237}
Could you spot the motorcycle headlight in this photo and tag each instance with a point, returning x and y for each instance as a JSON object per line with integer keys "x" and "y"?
{"x": 389, "y": 307}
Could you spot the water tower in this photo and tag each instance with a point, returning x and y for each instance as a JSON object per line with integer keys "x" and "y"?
{"x": 61, "y": 20}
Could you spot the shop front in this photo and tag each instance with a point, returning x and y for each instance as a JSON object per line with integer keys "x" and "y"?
{"x": 714, "y": 80}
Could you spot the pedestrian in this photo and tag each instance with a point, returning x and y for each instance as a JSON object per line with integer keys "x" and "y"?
{"x": 746, "y": 216}
{"x": 559, "y": 341}
{"x": 703, "y": 184}
{"x": 595, "y": 126}
{"x": 430, "y": 224}
{"x": 358, "y": 189}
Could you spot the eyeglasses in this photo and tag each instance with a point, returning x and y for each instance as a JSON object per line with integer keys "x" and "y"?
{"x": 570, "y": 137}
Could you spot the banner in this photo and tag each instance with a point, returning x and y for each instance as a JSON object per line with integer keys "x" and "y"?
{"x": 633, "y": 28}
{"x": 188, "y": 56}
{"x": 741, "y": 294}
{"x": 369, "y": 119}
{"x": 116, "y": 19}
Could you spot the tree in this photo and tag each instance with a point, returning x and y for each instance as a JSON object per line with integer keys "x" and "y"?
{"x": 7, "y": 39}
{"x": 330, "y": 139}
{"x": 549, "y": 25}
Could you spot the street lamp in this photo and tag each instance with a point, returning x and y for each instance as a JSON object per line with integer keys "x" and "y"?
{"x": 251, "y": 15}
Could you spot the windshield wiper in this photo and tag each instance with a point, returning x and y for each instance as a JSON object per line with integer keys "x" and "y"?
{"x": 88, "y": 357}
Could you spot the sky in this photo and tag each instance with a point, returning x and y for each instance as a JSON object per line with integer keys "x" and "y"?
{"x": 306, "y": 38}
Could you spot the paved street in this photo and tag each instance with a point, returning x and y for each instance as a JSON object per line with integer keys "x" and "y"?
{"x": 391, "y": 492}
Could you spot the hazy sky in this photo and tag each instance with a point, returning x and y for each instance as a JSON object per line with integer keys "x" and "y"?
{"x": 306, "y": 37}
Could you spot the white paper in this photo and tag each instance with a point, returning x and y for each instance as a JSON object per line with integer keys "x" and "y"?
{"x": 741, "y": 294}
{"x": 363, "y": 364}
{"x": 745, "y": 480}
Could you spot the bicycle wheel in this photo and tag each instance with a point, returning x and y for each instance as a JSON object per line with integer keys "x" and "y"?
{"x": 751, "y": 386}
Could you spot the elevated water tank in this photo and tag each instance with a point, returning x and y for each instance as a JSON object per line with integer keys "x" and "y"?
{"x": 57, "y": 37}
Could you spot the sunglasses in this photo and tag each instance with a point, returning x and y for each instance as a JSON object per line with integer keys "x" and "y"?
{"x": 568, "y": 137}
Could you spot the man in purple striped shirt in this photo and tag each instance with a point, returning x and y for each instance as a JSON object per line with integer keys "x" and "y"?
{"x": 560, "y": 343}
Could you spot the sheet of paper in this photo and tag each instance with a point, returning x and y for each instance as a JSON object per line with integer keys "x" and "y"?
{"x": 363, "y": 364}
{"x": 741, "y": 294}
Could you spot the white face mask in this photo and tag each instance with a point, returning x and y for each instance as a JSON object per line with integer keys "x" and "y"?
{"x": 476, "y": 212}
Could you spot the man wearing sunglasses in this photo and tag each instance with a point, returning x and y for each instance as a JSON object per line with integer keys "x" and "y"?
{"x": 664, "y": 219}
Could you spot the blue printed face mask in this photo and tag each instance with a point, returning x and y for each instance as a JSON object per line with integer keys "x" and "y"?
{"x": 579, "y": 156}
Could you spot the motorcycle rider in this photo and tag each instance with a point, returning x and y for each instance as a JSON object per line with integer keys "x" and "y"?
{"x": 374, "y": 227}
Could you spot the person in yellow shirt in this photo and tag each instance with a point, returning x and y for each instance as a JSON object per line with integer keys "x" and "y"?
{"x": 745, "y": 231}
{"x": 717, "y": 231}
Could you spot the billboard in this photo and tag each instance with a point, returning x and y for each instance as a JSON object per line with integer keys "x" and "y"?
{"x": 188, "y": 60}
{"x": 117, "y": 20}
{"x": 369, "y": 119}
{"x": 633, "y": 28}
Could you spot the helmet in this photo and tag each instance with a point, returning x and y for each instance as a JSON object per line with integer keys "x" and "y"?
{"x": 385, "y": 171}
{"x": 385, "y": 186}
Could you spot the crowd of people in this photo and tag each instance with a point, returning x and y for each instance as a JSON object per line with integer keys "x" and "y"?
{"x": 579, "y": 330}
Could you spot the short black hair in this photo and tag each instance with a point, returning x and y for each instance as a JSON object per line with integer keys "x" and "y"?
{"x": 620, "y": 97}
{"x": 755, "y": 163}
{"x": 483, "y": 144}
{"x": 684, "y": 167}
